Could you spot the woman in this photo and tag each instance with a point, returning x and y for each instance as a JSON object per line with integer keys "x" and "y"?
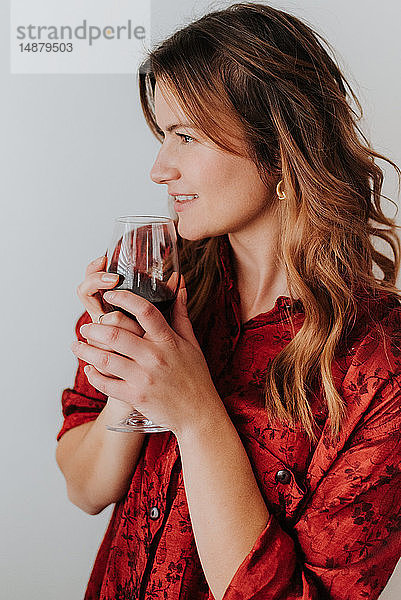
{"x": 280, "y": 375}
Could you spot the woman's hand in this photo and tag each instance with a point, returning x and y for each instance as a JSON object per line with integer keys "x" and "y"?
{"x": 163, "y": 374}
{"x": 90, "y": 293}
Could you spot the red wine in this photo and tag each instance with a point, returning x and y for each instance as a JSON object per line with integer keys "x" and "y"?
{"x": 153, "y": 290}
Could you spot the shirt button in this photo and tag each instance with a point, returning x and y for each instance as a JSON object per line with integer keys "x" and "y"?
{"x": 283, "y": 476}
{"x": 154, "y": 513}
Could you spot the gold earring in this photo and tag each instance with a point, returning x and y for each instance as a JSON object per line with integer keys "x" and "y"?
{"x": 280, "y": 193}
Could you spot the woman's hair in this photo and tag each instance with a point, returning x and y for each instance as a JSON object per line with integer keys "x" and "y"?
{"x": 263, "y": 75}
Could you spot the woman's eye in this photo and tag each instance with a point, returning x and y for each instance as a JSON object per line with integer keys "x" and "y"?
{"x": 184, "y": 136}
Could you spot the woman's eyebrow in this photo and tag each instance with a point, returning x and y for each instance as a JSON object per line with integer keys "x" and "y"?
{"x": 174, "y": 126}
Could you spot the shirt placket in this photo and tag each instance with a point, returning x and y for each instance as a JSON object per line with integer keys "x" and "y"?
{"x": 158, "y": 502}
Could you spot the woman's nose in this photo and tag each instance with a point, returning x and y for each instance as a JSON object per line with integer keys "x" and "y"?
{"x": 162, "y": 171}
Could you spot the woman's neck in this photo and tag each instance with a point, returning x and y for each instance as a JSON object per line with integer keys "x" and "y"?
{"x": 260, "y": 278}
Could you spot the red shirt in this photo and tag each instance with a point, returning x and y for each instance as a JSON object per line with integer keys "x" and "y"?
{"x": 334, "y": 529}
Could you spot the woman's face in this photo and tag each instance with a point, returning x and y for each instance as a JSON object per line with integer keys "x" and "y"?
{"x": 231, "y": 195}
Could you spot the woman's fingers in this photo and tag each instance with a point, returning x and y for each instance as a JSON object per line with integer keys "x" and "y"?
{"x": 150, "y": 319}
{"x": 90, "y": 293}
{"x": 96, "y": 265}
{"x": 173, "y": 281}
{"x": 120, "y": 341}
{"x": 118, "y": 319}
{"x": 95, "y": 282}
{"x": 108, "y": 363}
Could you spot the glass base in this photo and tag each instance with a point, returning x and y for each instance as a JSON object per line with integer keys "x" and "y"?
{"x": 137, "y": 422}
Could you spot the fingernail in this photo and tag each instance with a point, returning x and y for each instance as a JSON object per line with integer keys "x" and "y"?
{"x": 110, "y": 278}
{"x": 108, "y": 296}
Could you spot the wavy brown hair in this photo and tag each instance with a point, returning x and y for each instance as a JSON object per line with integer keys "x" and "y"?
{"x": 265, "y": 76}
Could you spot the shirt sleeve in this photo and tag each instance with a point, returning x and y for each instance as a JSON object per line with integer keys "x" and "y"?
{"x": 346, "y": 542}
{"x": 83, "y": 402}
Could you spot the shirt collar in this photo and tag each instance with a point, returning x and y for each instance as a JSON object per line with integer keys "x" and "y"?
{"x": 370, "y": 305}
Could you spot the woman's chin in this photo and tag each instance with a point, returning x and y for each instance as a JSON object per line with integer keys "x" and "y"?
{"x": 190, "y": 232}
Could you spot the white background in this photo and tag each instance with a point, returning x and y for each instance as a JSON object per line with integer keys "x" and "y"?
{"x": 75, "y": 152}
{"x": 103, "y": 55}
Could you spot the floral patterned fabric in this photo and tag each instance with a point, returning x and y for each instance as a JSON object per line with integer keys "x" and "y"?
{"x": 335, "y": 525}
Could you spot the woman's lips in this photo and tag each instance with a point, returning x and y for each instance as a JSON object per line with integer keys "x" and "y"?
{"x": 182, "y": 204}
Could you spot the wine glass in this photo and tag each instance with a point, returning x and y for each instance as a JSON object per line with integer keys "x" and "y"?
{"x": 144, "y": 251}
